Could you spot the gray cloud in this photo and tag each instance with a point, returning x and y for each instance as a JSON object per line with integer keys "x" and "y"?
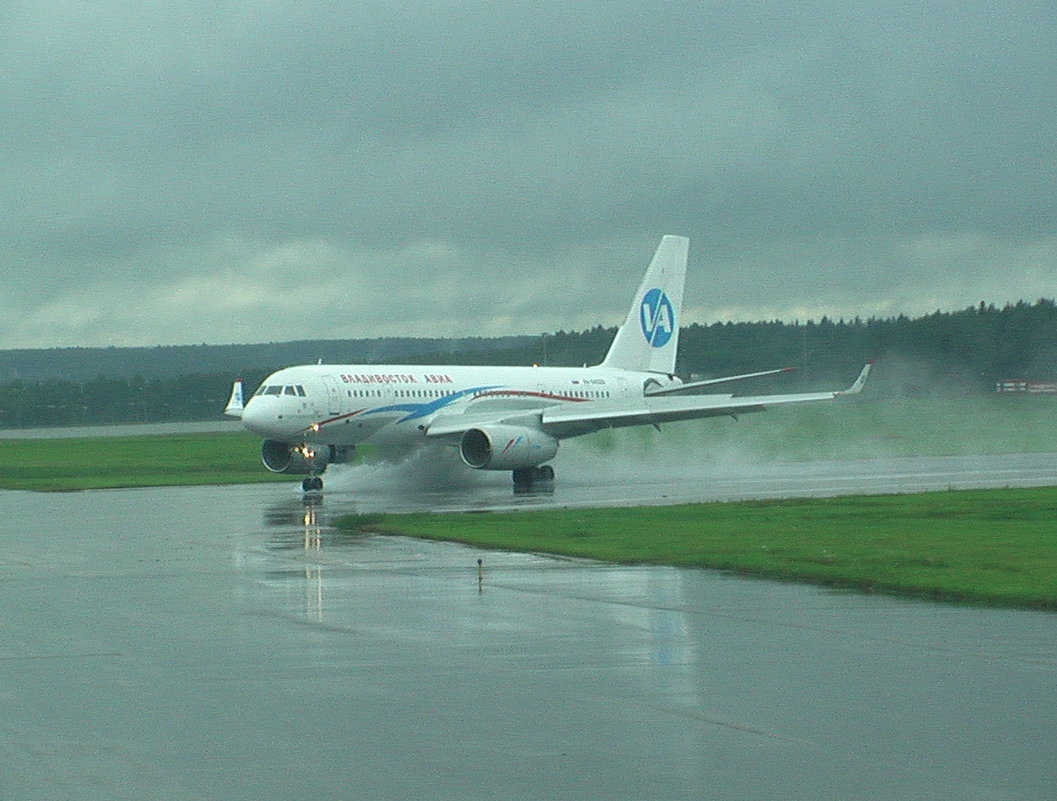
{"x": 243, "y": 172}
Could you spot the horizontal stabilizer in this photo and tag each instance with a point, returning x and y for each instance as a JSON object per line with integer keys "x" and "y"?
{"x": 676, "y": 388}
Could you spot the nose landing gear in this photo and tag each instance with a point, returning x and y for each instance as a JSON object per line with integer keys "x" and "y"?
{"x": 312, "y": 484}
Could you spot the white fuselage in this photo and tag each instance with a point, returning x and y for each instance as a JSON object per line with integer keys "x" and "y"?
{"x": 390, "y": 406}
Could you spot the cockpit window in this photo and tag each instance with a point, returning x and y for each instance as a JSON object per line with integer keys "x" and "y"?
{"x": 290, "y": 389}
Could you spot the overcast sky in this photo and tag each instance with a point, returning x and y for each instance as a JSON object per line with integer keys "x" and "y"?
{"x": 213, "y": 171}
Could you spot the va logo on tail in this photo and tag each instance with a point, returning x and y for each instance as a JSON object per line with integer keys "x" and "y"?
{"x": 657, "y": 318}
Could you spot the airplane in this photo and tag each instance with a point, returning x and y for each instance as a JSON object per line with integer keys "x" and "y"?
{"x": 497, "y": 418}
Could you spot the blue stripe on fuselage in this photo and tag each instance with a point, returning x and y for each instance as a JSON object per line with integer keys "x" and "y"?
{"x": 419, "y": 410}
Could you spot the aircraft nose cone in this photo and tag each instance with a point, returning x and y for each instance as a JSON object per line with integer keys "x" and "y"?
{"x": 262, "y": 416}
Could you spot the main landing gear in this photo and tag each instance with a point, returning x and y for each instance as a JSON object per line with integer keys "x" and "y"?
{"x": 534, "y": 479}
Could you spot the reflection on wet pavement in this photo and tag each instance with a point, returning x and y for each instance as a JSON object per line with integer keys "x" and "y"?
{"x": 225, "y": 642}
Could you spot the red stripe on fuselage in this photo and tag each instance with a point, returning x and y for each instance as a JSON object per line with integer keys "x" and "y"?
{"x": 321, "y": 423}
{"x": 506, "y": 393}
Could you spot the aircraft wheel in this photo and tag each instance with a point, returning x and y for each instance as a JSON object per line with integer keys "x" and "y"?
{"x": 312, "y": 484}
{"x": 523, "y": 479}
{"x": 529, "y": 478}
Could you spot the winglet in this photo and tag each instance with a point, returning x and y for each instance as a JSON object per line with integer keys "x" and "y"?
{"x": 235, "y": 404}
{"x": 860, "y": 382}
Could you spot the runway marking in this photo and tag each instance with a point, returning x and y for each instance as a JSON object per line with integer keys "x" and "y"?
{"x": 729, "y": 724}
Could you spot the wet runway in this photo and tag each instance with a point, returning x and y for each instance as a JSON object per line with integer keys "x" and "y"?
{"x": 225, "y": 643}
{"x": 592, "y": 482}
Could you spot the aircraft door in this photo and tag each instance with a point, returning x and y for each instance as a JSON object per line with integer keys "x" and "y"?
{"x": 333, "y": 394}
{"x": 545, "y": 392}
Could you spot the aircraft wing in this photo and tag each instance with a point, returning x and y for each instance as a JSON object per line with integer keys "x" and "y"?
{"x": 563, "y": 423}
{"x": 584, "y": 418}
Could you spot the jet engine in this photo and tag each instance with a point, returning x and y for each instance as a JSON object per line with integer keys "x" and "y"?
{"x": 505, "y": 447}
{"x": 299, "y": 458}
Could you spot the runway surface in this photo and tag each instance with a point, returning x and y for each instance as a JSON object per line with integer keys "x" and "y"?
{"x": 226, "y": 643}
{"x": 583, "y": 482}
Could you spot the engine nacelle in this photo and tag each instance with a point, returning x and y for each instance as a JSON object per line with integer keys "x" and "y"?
{"x": 504, "y": 447}
{"x": 299, "y": 458}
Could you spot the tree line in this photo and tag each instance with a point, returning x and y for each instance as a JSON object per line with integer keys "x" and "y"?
{"x": 944, "y": 353}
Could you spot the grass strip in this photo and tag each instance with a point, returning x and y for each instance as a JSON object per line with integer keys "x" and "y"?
{"x": 996, "y": 547}
{"x": 80, "y": 463}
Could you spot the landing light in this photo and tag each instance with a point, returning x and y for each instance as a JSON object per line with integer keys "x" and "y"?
{"x": 315, "y": 426}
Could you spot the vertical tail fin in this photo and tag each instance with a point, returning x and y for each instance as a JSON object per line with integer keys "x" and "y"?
{"x": 649, "y": 338}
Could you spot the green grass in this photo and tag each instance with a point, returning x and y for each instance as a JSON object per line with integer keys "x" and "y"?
{"x": 140, "y": 461}
{"x": 981, "y": 546}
